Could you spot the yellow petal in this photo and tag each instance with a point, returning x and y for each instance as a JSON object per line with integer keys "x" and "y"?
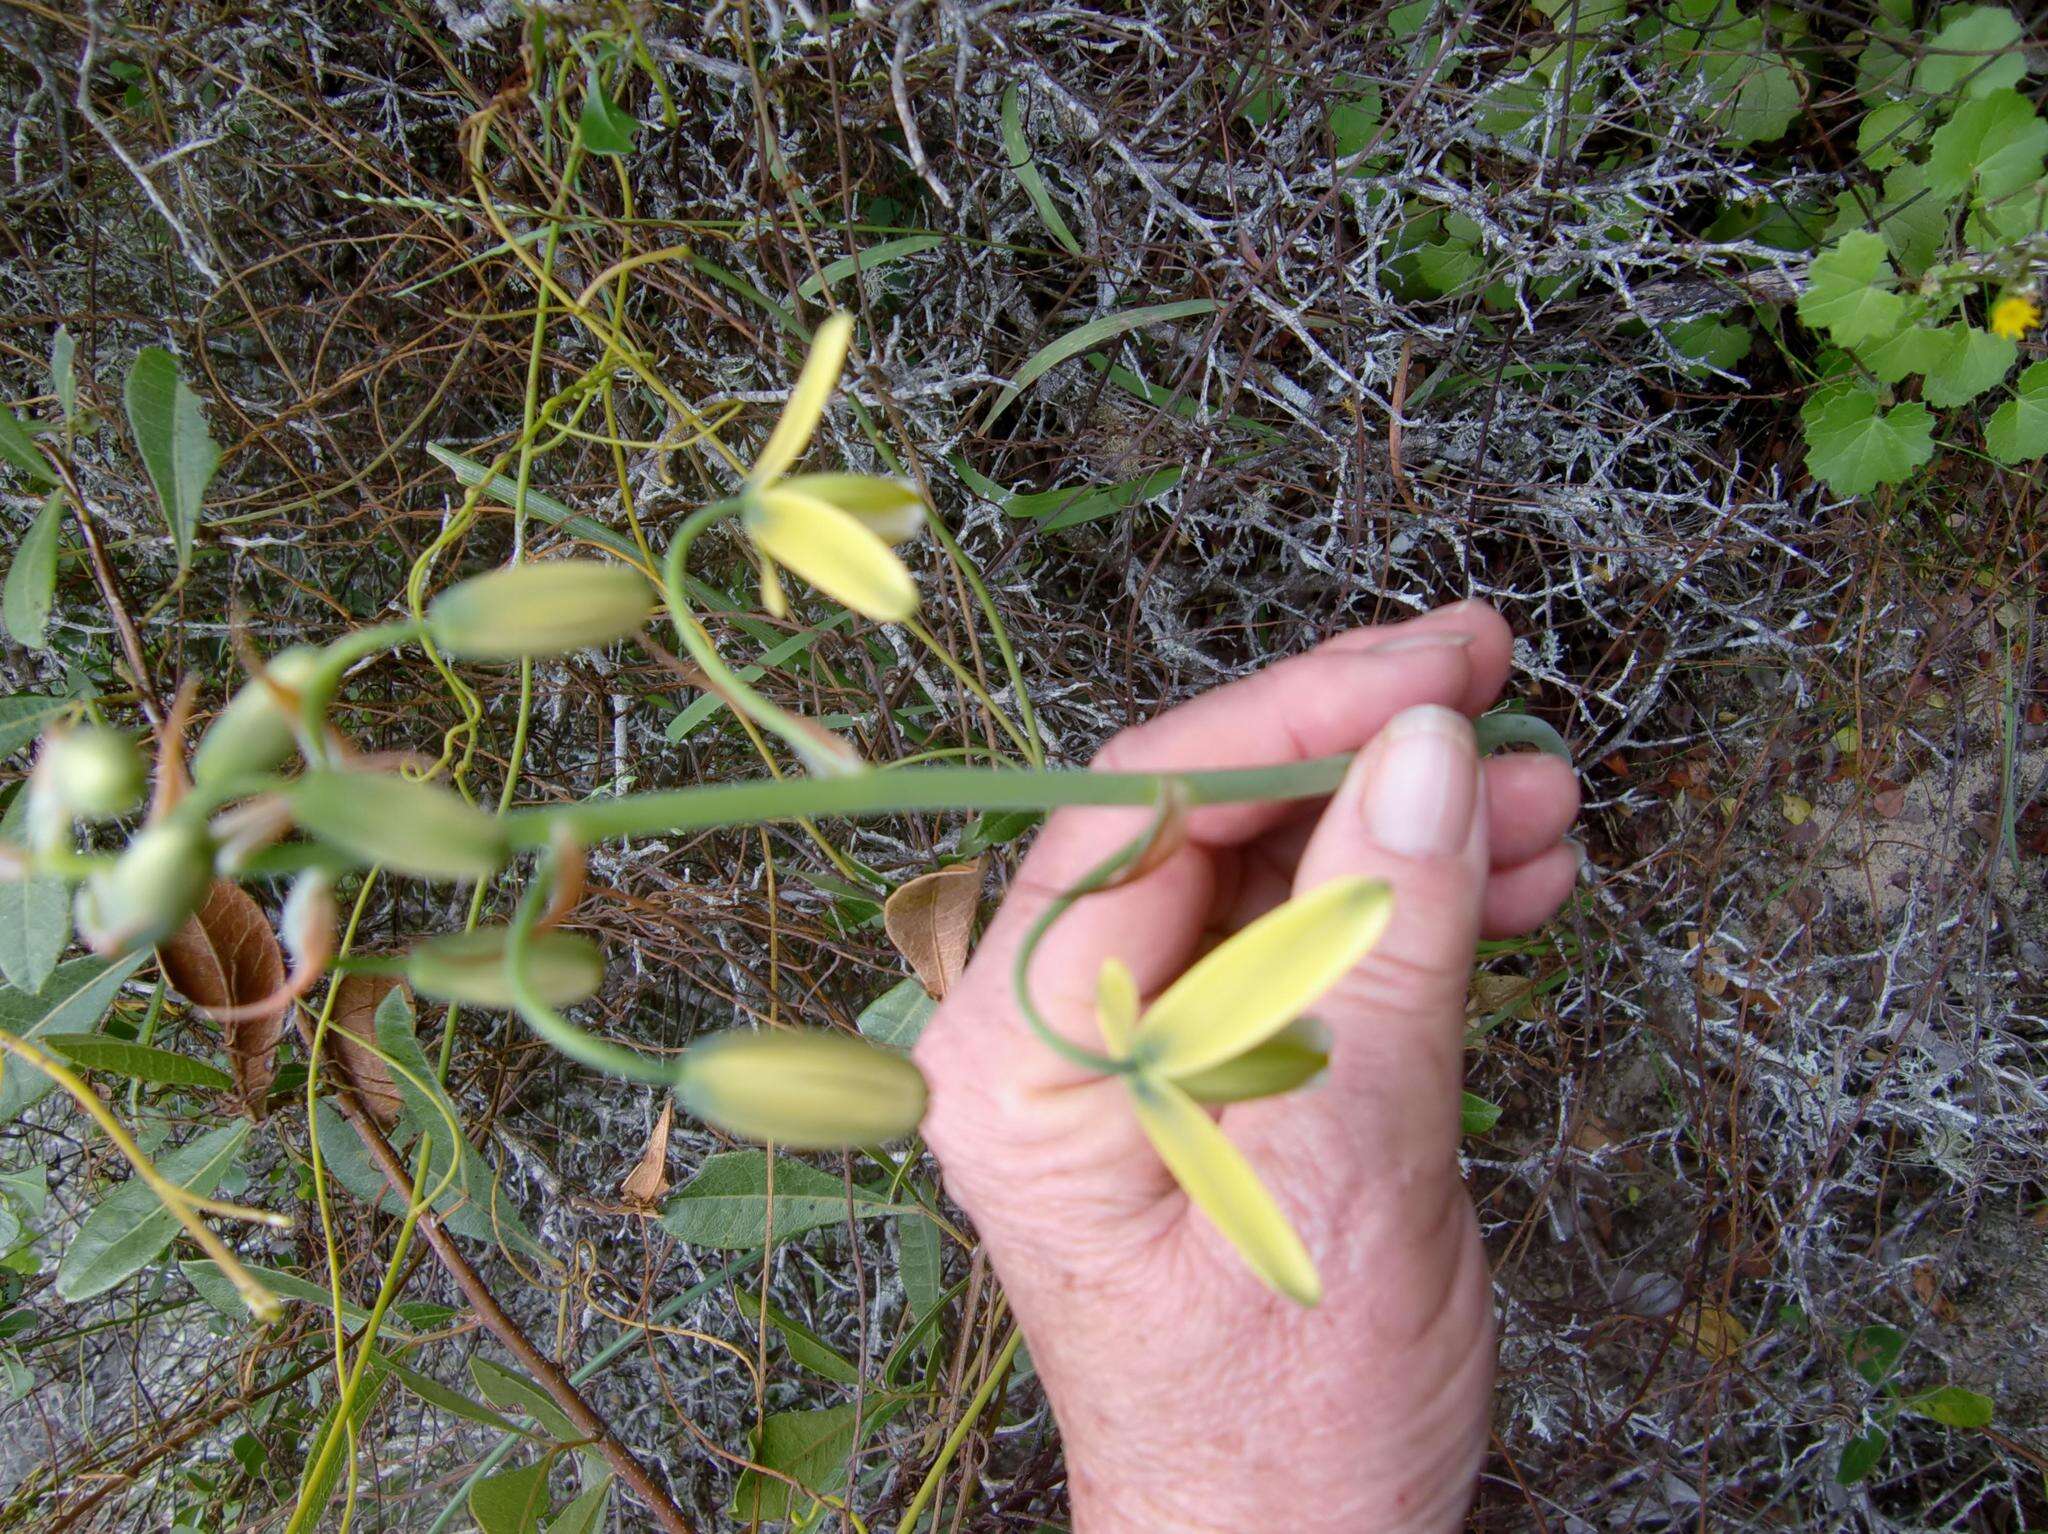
{"x": 807, "y": 400}
{"x": 1116, "y": 1006}
{"x": 1224, "y": 1187}
{"x": 772, "y": 596}
{"x": 833, "y": 552}
{"x": 888, "y": 508}
{"x": 1250, "y": 987}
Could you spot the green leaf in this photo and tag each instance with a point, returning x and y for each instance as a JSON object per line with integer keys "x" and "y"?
{"x": 1859, "y": 1457}
{"x": 72, "y": 1000}
{"x": 454, "y": 1402}
{"x": 18, "y": 449}
{"x": 1889, "y": 131}
{"x": 32, "y": 577}
{"x": 586, "y": 1514}
{"x": 1476, "y": 1115}
{"x": 1971, "y": 361}
{"x": 605, "y": 127}
{"x": 1874, "y": 1352}
{"x": 1025, "y": 166}
{"x": 1854, "y": 446}
{"x": 1071, "y": 505}
{"x": 503, "y": 489}
{"x": 1914, "y": 223}
{"x": 1998, "y": 141}
{"x": 1979, "y": 51}
{"x": 218, "y": 1290}
{"x": 869, "y": 260}
{"x": 129, "y": 1229}
{"x": 1915, "y": 349}
{"x": 812, "y": 1449}
{"x": 726, "y": 1204}
{"x": 64, "y": 372}
{"x": 709, "y": 703}
{"x": 35, "y": 917}
{"x": 921, "y": 1255}
{"x": 1951, "y": 1406}
{"x": 473, "y": 1206}
{"x": 137, "y": 1062}
{"x": 1710, "y": 340}
{"x": 1354, "y": 121}
{"x": 22, "y": 719}
{"x": 806, "y": 1348}
{"x": 2018, "y": 429}
{"x": 518, "y": 1396}
{"x": 1848, "y": 291}
{"x": 512, "y": 1501}
{"x": 897, "y": 1016}
{"x": 170, "y": 434}
{"x": 1086, "y": 338}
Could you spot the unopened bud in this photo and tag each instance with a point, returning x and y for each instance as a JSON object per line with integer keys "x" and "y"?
{"x": 548, "y": 608}
{"x": 804, "y": 1089}
{"x": 256, "y": 731}
{"x": 469, "y": 967}
{"x": 148, "y": 891}
{"x": 413, "y": 827}
{"x": 90, "y": 773}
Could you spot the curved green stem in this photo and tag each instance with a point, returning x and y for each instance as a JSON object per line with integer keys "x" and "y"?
{"x": 810, "y": 742}
{"x": 586, "y": 1048}
{"x": 895, "y": 792}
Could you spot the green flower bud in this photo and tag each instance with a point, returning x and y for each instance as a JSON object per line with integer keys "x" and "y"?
{"x": 413, "y": 827}
{"x": 548, "y": 608}
{"x": 255, "y": 731}
{"x": 90, "y": 773}
{"x": 469, "y": 967}
{"x": 149, "y": 891}
{"x": 807, "y": 1090}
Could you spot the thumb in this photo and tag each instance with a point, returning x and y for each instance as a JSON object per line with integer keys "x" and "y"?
{"x": 1410, "y": 812}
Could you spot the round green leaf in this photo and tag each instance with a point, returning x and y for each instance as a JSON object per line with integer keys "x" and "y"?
{"x": 1853, "y": 446}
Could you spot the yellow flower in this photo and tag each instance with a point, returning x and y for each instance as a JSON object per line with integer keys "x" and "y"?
{"x": 2014, "y": 315}
{"x": 834, "y": 530}
{"x": 1238, "y": 1000}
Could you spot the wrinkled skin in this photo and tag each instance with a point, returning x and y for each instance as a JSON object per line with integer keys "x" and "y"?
{"x": 1188, "y": 1396}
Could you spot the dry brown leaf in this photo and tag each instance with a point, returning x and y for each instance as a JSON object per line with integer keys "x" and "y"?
{"x": 1711, "y": 1332}
{"x": 646, "y": 1183}
{"x": 931, "y": 922}
{"x": 226, "y": 956}
{"x": 352, "y": 1022}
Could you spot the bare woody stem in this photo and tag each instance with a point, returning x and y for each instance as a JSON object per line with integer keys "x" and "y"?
{"x": 665, "y": 1514}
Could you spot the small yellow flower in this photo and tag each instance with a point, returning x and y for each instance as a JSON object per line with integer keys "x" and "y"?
{"x": 2014, "y": 315}
{"x": 1241, "y": 998}
{"x": 834, "y": 530}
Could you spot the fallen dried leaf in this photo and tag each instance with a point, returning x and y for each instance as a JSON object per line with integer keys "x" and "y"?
{"x": 351, "y": 1028}
{"x": 1711, "y": 1332}
{"x": 226, "y": 956}
{"x": 931, "y": 921}
{"x": 646, "y": 1183}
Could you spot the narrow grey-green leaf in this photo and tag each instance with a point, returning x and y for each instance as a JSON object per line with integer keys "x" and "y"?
{"x": 1025, "y": 165}
{"x": 1476, "y": 1115}
{"x": 874, "y": 257}
{"x": 505, "y": 490}
{"x": 317, "y": 1482}
{"x": 72, "y": 1000}
{"x": 171, "y": 435}
{"x": 812, "y": 1449}
{"x": 130, "y": 1229}
{"x": 22, "y": 719}
{"x": 515, "y": 1394}
{"x": 218, "y": 1290}
{"x": 18, "y": 448}
{"x": 32, "y": 577}
{"x": 806, "y": 1348}
{"x": 586, "y": 1514}
{"x": 64, "y": 372}
{"x": 137, "y": 1062}
{"x": 1085, "y": 338}
{"x": 726, "y": 1205}
{"x": 897, "y": 1016}
{"x": 35, "y": 916}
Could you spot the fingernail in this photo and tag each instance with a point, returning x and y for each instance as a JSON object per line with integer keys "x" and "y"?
{"x": 1429, "y": 639}
{"x": 1424, "y": 784}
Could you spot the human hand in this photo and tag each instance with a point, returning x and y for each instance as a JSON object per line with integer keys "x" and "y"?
{"x": 1189, "y": 1396}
